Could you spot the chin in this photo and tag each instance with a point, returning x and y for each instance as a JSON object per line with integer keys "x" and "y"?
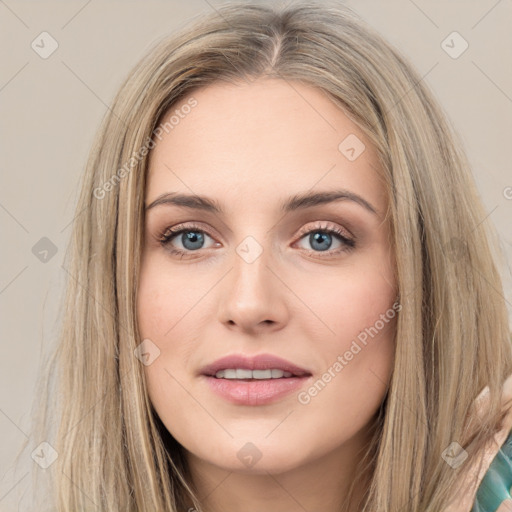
{"x": 256, "y": 458}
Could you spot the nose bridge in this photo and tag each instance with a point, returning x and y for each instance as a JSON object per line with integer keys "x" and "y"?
{"x": 250, "y": 267}
{"x": 251, "y": 297}
{"x": 250, "y": 249}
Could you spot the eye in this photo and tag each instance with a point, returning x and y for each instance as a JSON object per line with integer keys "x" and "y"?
{"x": 320, "y": 238}
{"x": 193, "y": 238}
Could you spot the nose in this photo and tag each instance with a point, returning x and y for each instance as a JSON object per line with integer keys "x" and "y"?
{"x": 253, "y": 297}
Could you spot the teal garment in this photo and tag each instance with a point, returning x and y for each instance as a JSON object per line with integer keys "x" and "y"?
{"x": 495, "y": 486}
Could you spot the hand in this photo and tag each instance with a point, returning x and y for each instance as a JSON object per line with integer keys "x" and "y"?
{"x": 465, "y": 503}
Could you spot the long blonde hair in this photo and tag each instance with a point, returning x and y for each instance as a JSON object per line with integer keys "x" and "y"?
{"x": 452, "y": 334}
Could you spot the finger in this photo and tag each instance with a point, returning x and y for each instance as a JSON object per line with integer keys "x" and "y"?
{"x": 506, "y": 506}
{"x": 480, "y": 407}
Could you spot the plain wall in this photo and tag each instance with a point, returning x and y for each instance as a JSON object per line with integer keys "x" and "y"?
{"x": 51, "y": 108}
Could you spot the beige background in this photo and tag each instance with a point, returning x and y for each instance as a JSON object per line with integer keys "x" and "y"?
{"x": 50, "y": 109}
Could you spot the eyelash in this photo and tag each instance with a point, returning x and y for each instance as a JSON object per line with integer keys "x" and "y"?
{"x": 170, "y": 233}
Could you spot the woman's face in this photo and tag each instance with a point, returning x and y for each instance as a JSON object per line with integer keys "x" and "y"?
{"x": 270, "y": 273}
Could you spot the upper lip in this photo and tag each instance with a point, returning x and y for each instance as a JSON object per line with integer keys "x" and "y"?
{"x": 259, "y": 362}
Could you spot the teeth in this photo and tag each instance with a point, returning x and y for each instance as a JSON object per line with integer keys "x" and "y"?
{"x": 240, "y": 373}
{"x": 243, "y": 374}
{"x": 264, "y": 374}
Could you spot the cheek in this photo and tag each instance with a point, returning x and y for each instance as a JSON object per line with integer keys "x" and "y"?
{"x": 357, "y": 351}
{"x": 164, "y": 297}
{"x": 172, "y": 313}
{"x": 356, "y": 302}
{"x": 152, "y": 299}
{"x": 159, "y": 310}
{"x": 338, "y": 315}
{"x": 346, "y": 395}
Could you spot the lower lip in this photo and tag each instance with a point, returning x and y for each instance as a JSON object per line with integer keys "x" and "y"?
{"x": 255, "y": 392}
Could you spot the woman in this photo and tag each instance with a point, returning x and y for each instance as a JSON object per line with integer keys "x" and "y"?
{"x": 282, "y": 293}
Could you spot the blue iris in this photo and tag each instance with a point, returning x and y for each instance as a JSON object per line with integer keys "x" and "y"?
{"x": 320, "y": 237}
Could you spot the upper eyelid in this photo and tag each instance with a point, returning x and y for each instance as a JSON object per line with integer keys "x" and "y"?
{"x": 325, "y": 225}
{"x": 184, "y": 226}
{"x": 348, "y": 243}
{"x": 320, "y": 226}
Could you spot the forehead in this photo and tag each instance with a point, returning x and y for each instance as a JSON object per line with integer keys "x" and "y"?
{"x": 258, "y": 142}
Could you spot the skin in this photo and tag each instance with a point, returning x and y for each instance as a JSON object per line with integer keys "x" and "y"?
{"x": 463, "y": 500}
{"x": 250, "y": 146}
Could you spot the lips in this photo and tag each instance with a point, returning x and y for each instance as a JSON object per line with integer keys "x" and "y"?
{"x": 271, "y": 378}
{"x": 259, "y": 362}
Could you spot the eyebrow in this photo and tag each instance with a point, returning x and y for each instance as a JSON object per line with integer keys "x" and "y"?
{"x": 296, "y": 202}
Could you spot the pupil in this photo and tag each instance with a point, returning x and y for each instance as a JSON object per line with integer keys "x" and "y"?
{"x": 320, "y": 237}
{"x": 319, "y": 241}
{"x": 192, "y": 237}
